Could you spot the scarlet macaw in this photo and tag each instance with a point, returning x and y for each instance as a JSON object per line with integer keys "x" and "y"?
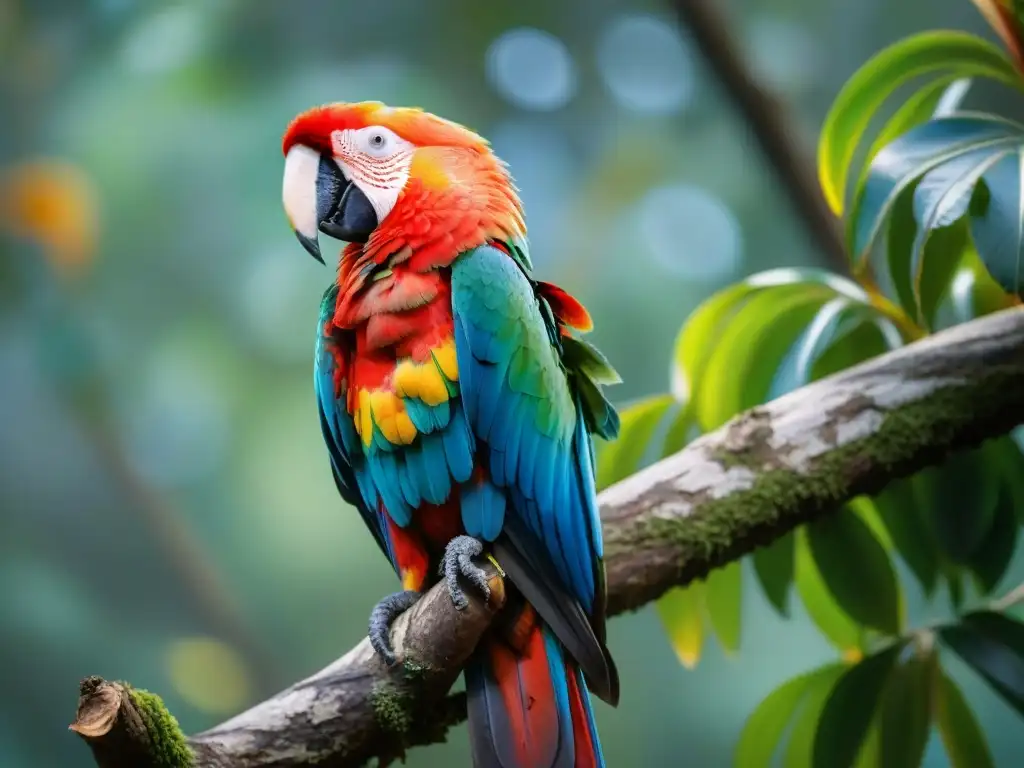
{"x": 458, "y": 406}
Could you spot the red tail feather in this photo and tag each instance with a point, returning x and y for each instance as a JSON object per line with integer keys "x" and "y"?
{"x": 583, "y": 739}
{"x": 527, "y": 708}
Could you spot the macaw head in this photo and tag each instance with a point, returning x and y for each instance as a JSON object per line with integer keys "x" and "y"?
{"x": 349, "y": 166}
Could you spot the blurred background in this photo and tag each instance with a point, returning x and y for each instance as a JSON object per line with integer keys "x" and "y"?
{"x": 167, "y": 514}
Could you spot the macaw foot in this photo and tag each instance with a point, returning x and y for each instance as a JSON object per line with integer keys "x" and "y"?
{"x": 458, "y": 560}
{"x": 383, "y": 616}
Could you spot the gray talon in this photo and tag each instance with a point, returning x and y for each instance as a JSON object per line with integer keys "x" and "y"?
{"x": 383, "y": 616}
{"x": 458, "y": 559}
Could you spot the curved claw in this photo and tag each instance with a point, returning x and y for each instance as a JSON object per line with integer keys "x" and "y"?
{"x": 383, "y": 616}
{"x": 458, "y": 560}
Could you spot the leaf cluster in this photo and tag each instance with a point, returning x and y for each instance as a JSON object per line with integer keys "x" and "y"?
{"x": 934, "y": 215}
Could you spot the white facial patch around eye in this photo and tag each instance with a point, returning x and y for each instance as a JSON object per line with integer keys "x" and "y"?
{"x": 377, "y": 161}
{"x": 298, "y": 192}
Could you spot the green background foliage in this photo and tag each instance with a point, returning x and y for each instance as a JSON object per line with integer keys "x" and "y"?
{"x": 936, "y": 237}
{"x": 167, "y": 514}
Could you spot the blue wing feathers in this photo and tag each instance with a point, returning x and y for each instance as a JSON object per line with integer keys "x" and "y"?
{"x": 431, "y": 448}
{"x": 384, "y": 472}
{"x": 588, "y": 487}
{"x": 507, "y": 365}
{"x": 459, "y": 447}
{"x": 427, "y": 418}
{"x": 483, "y": 509}
{"x": 488, "y": 378}
{"x": 410, "y": 489}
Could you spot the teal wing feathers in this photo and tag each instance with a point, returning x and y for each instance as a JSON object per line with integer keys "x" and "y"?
{"x": 531, "y": 417}
{"x": 352, "y": 475}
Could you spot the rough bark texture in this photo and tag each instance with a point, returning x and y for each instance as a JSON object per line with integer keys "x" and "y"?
{"x": 745, "y": 485}
{"x": 356, "y": 708}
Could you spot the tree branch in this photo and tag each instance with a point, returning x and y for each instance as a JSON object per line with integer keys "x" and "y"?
{"x": 767, "y": 120}
{"x": 732, "y": 490}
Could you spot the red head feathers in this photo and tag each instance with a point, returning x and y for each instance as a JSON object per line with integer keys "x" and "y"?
{"x": 395, "y": 178}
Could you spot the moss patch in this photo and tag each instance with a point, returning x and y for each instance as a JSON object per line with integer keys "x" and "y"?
{"x": 908, "y": 438}
{"x": 392, "y": 708}
{"x": 169, "y": 747}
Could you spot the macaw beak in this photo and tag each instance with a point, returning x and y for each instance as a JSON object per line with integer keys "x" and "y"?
{"x": 318, "y": 198}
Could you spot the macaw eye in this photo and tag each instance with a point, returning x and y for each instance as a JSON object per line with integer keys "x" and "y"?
{"x": 377, "y": 141}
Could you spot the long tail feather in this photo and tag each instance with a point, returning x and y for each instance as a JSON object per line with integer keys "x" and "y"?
{"x": 529, "y": 708}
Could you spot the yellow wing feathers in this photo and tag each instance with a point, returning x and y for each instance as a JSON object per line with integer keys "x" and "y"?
{"x": 385, "y": 410}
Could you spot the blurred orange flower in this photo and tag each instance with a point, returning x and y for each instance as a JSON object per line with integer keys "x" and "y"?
{"x": 53, "y": 203}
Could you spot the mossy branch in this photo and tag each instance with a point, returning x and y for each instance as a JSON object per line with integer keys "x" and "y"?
{"x": 127, "y": 727}
{"x": 740, "y": 487}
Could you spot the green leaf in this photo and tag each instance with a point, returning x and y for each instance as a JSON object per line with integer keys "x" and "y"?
{"x": 915, "y": 153}
{"x": 678, "y": 433}
{"x": 906, "y": 712}
{"x": 935, "y": 258}
{"x": 765, "y": 726}
{"x": 955, "y": 52}
{"x": 863, "y": 342}
{"x": 911, "y": 535}
{"x": 835, "y": 318}
{"x": 696, "y": 339}
{"x": 993, "y": 646}
{"x": 961, "y": 734}
{"x": 997, "y": 625}
{"x": 973, "y": 292}
{"x": 955, "y": 584}
{"x": 864, "y": 508}
{"x": 800, "y": 747}
{"x": 923, "y": 261}
{"x": 681, "y": 610}
{"x": 774, "y": 568}
{"x": 868, "y": 756}
{"x": 724, "y": 599}
{"x": 1010, "y": 460}
{"x": 899, "y": 248}
{"x": 992, "y": 558}
{"x": 959, "y": 500}
{"x": 638, "y": 421}
{"x": 918, "y": 108}
{"x": 750, "y": 349}
{"x": 998, "y": 230}
{"x": 845, "y": 331}
{"x": 856, "y": 570}
{"x": 699, "y": 337}
{"x": 821, "y": 606}
{"x": 850, "y": 708}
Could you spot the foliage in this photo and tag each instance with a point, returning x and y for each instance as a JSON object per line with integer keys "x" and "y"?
{"x": 935, "y": 230}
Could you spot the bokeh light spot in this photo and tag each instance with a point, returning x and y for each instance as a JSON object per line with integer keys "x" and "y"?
{"x": 532, "y": 69}
{"x": 690, "y": 232}
{"x": 646, "y": 65}
{"x": 208, "y": 674}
